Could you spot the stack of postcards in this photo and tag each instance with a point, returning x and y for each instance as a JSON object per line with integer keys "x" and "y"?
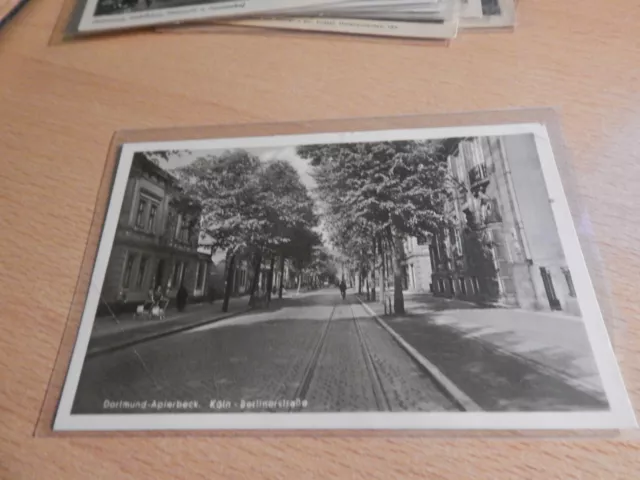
{"x": 427, "y": 19}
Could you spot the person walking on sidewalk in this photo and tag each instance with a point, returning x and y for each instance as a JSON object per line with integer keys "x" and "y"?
{"x": 343, "y": 288}
{"x": 181, "y": 298}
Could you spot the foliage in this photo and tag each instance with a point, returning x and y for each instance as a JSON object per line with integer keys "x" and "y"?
{"x": 381, "y": 190}
{"x": 228, "y": 188}
{"x": 160, "y": 156}
{"x": 398, "y": 185}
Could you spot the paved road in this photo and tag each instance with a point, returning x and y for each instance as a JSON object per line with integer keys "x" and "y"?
{"x": 314, "y": 353}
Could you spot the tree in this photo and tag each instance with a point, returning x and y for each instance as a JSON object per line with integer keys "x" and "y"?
{"x": 299, "y": 250}
{"x": 228, "y": 189}
{"x": 248, "y": 206}
{"x": 393, "y": 190}
{"x": 292, "y": 215}
{"x": 164, "y": 155}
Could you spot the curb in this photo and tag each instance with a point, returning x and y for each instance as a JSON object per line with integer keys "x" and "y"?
{"x": 154, "y": 336}
{"x": 459, "y": 397}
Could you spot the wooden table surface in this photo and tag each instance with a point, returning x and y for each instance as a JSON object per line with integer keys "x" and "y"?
{"x": 60, "y": 104}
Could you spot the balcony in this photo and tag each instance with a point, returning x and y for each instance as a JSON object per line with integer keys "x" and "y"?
{"x": 478, "y": 176}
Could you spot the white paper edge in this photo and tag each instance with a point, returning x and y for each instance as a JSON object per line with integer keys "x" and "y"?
{"x": 446, "y": 30}
{"x": 620, "y": 416}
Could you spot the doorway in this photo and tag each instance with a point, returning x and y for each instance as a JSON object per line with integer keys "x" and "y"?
{"x": 554, "y": 303}
{"x": 159, "y": 276}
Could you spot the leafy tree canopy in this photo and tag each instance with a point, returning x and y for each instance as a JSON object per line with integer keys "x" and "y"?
{"x": 248, "y": 204}
{"x": 399, "y": 185}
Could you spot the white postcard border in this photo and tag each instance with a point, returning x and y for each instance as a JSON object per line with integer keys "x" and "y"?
{"x": 620, "y": 416}
{"x": 390, "y": 28}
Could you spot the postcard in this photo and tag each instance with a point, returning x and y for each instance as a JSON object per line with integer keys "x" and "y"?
{"x": 106, "y": 15}
{"x": 495, "y": 14}
{"x": 425, "y": 29}
{"x": 420, "y": 279}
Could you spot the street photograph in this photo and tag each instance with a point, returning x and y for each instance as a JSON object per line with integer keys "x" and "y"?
{"x": 412, "y": 275}
{"x": 115, "y": 7}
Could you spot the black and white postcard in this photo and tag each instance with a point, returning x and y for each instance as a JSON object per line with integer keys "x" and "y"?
{"x": 105, "y": 15}
{"x": 398, "y": 279}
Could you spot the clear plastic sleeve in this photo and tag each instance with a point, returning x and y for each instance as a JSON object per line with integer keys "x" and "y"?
{"x": 592, "y": 292}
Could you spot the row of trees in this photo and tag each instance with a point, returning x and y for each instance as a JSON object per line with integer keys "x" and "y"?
{"x": 256, "y": 209}
{"x": 375, "y": 195}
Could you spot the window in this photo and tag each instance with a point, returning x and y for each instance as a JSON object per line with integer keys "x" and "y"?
{"x": 142, "y": 207}
{"x": 184, "y": 234}
{"x": 152, "y": 217}
{"x": 477, "y": 153}
{"x": 463, "y": 286}
{"x": 567, "y": 276}
{"x": 178, "y": 226}
{"x": 450, "y": 166}
{"x": 147, "y": 213}
{"x": 475, "y": 284}
{"x": 128, "y": 268}
{"x": 171, "y": 276}
{"x": 460, "y": 165}
{"x": 182, "y": 229}
{"x": 177, "y": 274}
{"x": 200, "y": 275}
{"x": 456, "y": 241}
{"x": 432, "y": 258}
{"x": 142, "y": 270}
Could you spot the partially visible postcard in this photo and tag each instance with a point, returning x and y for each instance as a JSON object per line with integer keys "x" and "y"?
{"x": 106, "y": 15}
{"x": 494, "y": 14}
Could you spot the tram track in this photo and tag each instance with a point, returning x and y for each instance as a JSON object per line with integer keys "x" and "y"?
{"x": 310, "y": 369}
{"x": 335, "y": 371}
{"x": 382, "y": 400}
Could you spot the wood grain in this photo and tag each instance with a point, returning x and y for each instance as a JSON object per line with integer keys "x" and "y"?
{"x": 60, "y": 104}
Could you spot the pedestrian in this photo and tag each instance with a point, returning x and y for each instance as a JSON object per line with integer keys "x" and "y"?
{"x": 181, "y": 298}
{"x": 158, "y": 295}
{"x": 343, "y": 288}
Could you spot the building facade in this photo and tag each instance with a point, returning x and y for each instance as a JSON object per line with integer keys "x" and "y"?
{"x": 156, "y": 242}
{"x": 418, "y": 269}
{"x": 243, "y": 271}
{"x": 503, "y": 246}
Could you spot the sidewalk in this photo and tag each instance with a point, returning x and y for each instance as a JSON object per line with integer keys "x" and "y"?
{"x": 555, "y": 345}
{"x": 109, "y": 333}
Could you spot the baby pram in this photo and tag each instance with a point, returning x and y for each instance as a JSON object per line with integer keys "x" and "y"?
{"x": 153, "y": 310}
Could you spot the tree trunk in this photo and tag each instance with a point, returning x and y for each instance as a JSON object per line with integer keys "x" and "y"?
{"x": 368, "y": 289}
{"x": 281, "y": 286}
{"x": 360, "y": 282}
{"x": 396, "y": 261}
{"x": 373, "y": 273}
{"x": 270, "y": 278}
{"x": 228, "y": 286}
{"x": 299, "y": 282}
{"x": 256, "y": 278}
{"x": 383, "y": 275}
